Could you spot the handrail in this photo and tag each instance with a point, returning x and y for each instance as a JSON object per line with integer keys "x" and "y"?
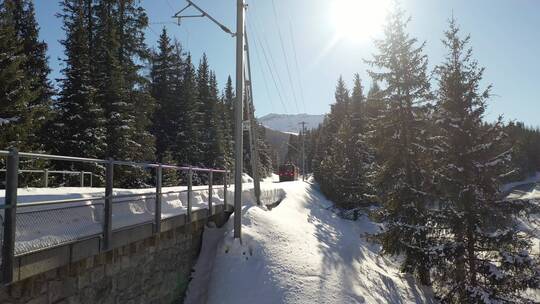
{"x": 108, "y": 198}
{"x": 61, "y": 201}
{"x": 103, "y": 161}
{"x": 49, "y": 171}
{"x": 94, "y": 198}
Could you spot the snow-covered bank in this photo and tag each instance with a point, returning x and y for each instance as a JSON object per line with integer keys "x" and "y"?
{"x": 45, "y": 226}
{"x": 299, "y": 252}
{"x": 516, "y": 185}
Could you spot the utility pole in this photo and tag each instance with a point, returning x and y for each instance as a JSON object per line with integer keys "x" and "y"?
{"x": 252, "y": 128}
{"x": 239, "y": 102}
{"x": 238, "y": 118}
{"x": 303, "y": 132}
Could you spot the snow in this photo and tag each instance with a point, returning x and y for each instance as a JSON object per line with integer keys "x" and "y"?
{"x": 5, "y": 121}
{"x": 45, "y": 226}
{"x": 528, "y": 189}
{"x": 290, "y": 123}
{"x": 530, "y": 180}
{"x": 300, "y": 252}
{"x": 246, "y": 178}
{"x": 273, "y": 178}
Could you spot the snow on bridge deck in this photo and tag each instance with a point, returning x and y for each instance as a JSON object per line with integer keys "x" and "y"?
{"x": 40, "y": 227}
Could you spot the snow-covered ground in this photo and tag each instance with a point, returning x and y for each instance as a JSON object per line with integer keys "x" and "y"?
{"x": 300, "y": 252}
{"x": 45, "y": 226}
{"x": 513, "y": 186}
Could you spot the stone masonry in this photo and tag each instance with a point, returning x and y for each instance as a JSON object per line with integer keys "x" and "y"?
{"x": 153, "y": 270}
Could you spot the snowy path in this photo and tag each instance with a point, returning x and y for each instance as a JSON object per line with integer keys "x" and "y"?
{"x": 299, "y": 252}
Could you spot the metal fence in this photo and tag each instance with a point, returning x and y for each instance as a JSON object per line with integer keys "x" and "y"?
{"x": 26, "y": 215}
{"x": 46, "y": 173}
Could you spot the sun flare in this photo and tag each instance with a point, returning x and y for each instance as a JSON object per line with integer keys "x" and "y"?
{"x": 358, "y": 20}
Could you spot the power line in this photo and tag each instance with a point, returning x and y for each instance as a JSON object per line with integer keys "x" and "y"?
{"x": 153, "y": 31}
{"x": 270, "y": 70}
{"x": 266, "y": 48}
{"x": 162, "y": 22}
{"x": 264, "y": 76}
{"x": 297, "y": 66}
{"x": 284, "y": 55}
{"x": 170, "y": 5}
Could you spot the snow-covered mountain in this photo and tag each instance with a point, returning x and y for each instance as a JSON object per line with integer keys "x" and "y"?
{"x": 290, "y": 122}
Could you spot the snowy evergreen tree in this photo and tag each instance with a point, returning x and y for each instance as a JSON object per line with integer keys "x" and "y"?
{"x": 294, "y": 149}
{"x": 79, "y": 124}
{"x": 525, "y": 142}
{"x": 216, "y": 155}
{"x": 36, "y": 71}
{"x": 204, "y": 115}
{"x": 166, "y": 76}
{"x": 121, "y": 90}
{"x": 356, "y": 154}
{"x": 22, "y": 109}
{"x": 187, "y": 150}
{"x": 326, "y": 160}
{"x": 265, "y": 160}
{"x": 482, "y": 256}
{"x": 401, "y": 177}
{"x": 227, "y": 120}
{"x": 343, "y": 156}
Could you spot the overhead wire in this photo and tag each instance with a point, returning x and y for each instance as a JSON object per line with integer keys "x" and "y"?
{"x": 284, "y": 55}
{"x": 170, "y": 5}
{"x": 269, "y": 67}
{"x": 297, "y": 66}
{"x": 266, "y": 49}
{"x": 265, "y": 80}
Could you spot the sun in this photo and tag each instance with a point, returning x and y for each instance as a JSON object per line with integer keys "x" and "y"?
{"x": 358, "y": 20}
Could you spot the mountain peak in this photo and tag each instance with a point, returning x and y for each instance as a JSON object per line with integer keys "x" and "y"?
{"x": 290, "y": 123}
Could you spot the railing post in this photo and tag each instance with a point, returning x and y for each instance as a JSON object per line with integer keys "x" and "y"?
{"x": 91, "y": 177}
{"x": 189, "y": 195}
{"x": 225, "y": 179}
{"x": 10, "y": 213}
{"x": 82, "y": 179}
{"x": 210, "y": 180}
{"x": 107, "y": 219}
{"x": 46, "y": 178}
{"x": 157, "y": 208}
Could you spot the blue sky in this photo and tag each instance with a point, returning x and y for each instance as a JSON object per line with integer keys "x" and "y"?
{"x": 505, "y": 39}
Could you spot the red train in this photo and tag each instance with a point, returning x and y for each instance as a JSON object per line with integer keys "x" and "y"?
{"x": 288, "y": 172}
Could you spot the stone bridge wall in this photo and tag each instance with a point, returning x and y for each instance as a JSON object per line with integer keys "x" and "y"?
{"x": 142, "y": 267}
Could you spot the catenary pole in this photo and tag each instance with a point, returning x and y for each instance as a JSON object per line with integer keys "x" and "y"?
{"x": 303, "y": 123}
{"x": 252, "y": 126}
{"x": 238, "y": 117}
{"x": 239, "y": 102}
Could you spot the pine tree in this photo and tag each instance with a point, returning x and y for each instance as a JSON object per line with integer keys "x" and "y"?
{"x": 354, "y": 155}
{"x": 20, "y": 115}
{"x": 121, "y": 90}
{"x": 217, "y": 148}
{"x": 79, "y": 124}
{"x": 339, "y": 110}
{"x": 187, "y": 150}
{"x": 293, "y": 148}
{"x": 166, "y": 77}
{"x": 227, "y": 115}
{"x": 265, "y": 160}
{"x": 326, "y": 160}
{"x": 204, "y": 112}
{"x": 401, "y": 176}
{"x": 36, "y": 70}
{"x": 482, "y": 256}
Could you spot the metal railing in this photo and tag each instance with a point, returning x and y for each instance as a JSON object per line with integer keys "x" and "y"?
{"x": 11, "y": 203}
{"x": 47, "y": 172}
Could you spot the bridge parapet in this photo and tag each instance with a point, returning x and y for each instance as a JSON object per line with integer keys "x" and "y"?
{"x": 20, "y": 266}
